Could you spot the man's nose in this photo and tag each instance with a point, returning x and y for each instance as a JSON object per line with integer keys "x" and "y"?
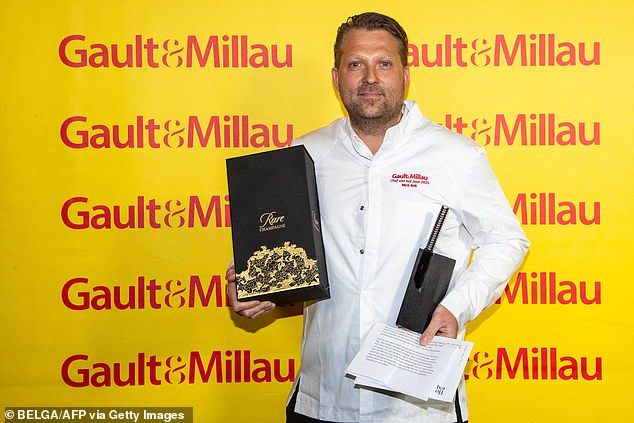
{"x": 370, "y": 75}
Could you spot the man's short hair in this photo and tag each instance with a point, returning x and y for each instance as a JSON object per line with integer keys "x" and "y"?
{"x": 372, "y": 21}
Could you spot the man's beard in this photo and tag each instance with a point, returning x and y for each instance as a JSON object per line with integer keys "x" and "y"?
{"x": 374, "y": 116}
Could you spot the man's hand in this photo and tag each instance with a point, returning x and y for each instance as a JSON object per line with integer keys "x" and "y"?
{"x": 442, "y": 323}
{"x": 251, "y": 309}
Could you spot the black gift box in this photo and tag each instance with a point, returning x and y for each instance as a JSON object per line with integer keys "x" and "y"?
{"x": 277, "y": 243}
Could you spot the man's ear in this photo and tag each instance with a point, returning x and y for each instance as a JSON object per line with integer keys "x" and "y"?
{"x": 335, "y": 78}
{"x": 406, "y": 77}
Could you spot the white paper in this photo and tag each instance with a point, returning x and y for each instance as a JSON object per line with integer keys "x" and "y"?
{"x": 391, "y": 358}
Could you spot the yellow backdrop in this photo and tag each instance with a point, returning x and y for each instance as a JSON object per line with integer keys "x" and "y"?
{"x": 117, "y": 118}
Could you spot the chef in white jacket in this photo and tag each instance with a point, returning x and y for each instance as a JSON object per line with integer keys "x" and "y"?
{"x": 383, "y": 172}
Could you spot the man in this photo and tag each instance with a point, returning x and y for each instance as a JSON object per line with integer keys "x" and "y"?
{"x": 383, "y": 173}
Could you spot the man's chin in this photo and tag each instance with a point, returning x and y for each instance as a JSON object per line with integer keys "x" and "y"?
{"x": 368, "y": 111}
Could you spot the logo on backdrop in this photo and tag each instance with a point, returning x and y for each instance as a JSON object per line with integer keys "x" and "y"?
{"x": 148, "y": 213}
{"x": 526, "y": 130}
{"x": 502, "y": 50}
{"x": 547, "y": 209}
{"x": 229, "y": 366}
{"x": 240, "y": 51}
{"x": 548, "y": 288}
{"x": 216, "y": 131}
{"x": 191, "y": 51}
{"x": 147, "y": 293}
{"x": 543, "y": 363}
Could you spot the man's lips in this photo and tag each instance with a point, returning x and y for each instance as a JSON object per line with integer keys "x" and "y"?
{"x": 369, "y": 93}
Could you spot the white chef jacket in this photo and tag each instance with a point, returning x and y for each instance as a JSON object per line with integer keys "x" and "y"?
{"x": 373, "y": 223}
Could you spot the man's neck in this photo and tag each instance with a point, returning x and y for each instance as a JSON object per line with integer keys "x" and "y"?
{"x": 372, "y": 141}
{"x": 373, "y": 136}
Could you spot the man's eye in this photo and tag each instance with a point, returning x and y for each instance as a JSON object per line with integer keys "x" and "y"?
{"x": 386, "y": 64}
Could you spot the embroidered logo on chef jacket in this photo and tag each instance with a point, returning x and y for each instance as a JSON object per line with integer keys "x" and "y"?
{"x": 407, "y": 179}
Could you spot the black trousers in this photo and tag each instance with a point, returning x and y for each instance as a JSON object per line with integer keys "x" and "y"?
{"x": 293, "y": 417}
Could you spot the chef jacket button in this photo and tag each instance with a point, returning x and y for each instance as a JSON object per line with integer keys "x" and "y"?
{"x": 361, "y": 251}
{"x": 362, "y": 207}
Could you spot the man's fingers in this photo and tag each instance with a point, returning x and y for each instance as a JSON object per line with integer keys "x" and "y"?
{"x": 429, "y": 333}
{"x": 263, "y": 309}
{"x": 250, "y": 309}
{"x": 442, "y": 323}
{"x": 230, "y": 276}
{"x": 254, "y": 309}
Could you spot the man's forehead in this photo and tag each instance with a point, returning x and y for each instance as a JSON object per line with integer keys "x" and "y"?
{"x": 363, "y": 39}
